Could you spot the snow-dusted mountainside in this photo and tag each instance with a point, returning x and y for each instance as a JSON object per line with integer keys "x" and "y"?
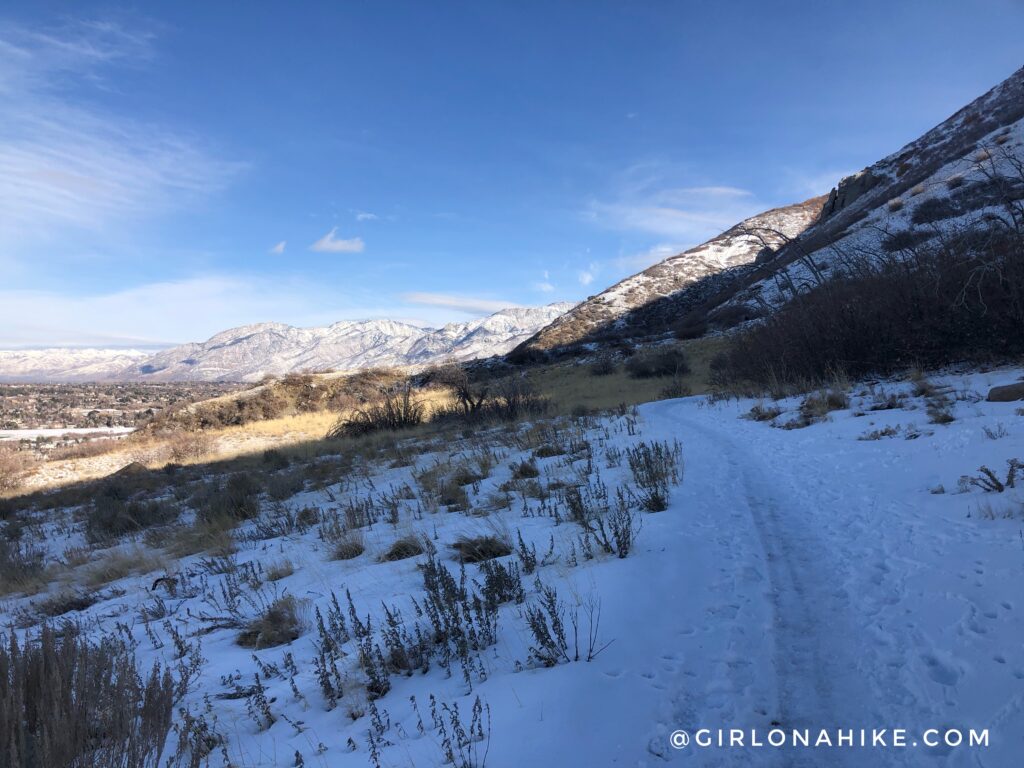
{"x": 964, "y": 174}
{"x": 252, "y": 351}
{"x": 66, "y": 364}
{"x": 627, "y": 302}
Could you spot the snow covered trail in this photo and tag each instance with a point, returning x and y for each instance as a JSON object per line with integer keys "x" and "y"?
{"x": 835, "y": 576}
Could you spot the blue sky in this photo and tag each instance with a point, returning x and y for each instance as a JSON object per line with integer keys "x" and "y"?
{"x": 171, "y": 170}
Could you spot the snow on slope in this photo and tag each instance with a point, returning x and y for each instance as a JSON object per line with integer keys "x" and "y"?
{"x": 250, "y": 352}
{"x": 953, "y": 177}
{"x": 66, "y": 364}
{"x": 800, "y": 579}
{"x": 737, "y": 246}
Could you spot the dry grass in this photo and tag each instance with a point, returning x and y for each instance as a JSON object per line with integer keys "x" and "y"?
{"x": 477, "y": 549}
{"x": 571, "y": 387}
{"x": 349, "y": 546}
{"x": 282, "y": 622}
{"x": 119, "y": 564}
{"x": 71, "y": 702}
{"x": 403, "y": 548}
{"x": 280, "y": 570}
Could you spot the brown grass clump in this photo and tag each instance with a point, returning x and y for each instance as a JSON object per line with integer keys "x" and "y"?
{"x": 281, "y": 570}
{"x": 14, "y": 465}
{"x": 349, "y": 546}
{"x": 281, "y": 623}
{"x": 819, "y": 404}
{"x": 477, "y": 549}
{"x": 119, "y": 564}
{"x": 403, "y": 548}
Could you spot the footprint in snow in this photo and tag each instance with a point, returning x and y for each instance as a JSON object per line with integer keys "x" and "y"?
{"x": 941, "y": 671}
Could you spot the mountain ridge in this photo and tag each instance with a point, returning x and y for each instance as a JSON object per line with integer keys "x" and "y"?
{"x": 250, "y": 352}
{"x": 623, "y": 303}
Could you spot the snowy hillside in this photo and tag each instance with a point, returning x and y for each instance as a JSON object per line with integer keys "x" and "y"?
{"x": 65, "y": 364}
{"x": 250, "y": 352}
{"x": 627, "y": 300}
{"x": 964, "y": 174}
{"x": 854, "y": 573}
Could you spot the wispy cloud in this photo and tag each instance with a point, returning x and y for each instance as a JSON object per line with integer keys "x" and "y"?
{"x": 544, "y": 287}
{"x": 634, "y": 262}
{"x": 366, "y": 216}
{"x": 469, "y": 304}
{"x": 686, "y": 214}
{"x": 66, "y": 167}
{"x": 586, "y": 277}
{"x": 279, "y": 248}
{"x": 331, "y": 243}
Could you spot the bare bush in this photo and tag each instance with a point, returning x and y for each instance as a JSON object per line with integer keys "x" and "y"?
{"x": 67, "y": 703}
{"x": 236, "y": 500}
{"x": 655, "y": 466}
{"x": 21, "y": 565}
{"x": 659, "y": 361}
{"x": 403, "y": 548}
{"x": 183, "y": 447}
{"x": 605, "y": 365}
{"x": 477, "y": 549}
{"x": 349, "y": 546}
{"x": 281, "y": 622}
{"x": 960, "y": 299}
{"x": 396, "y": 410}
{"x": 762, "y": 412}
{"x": 14, "y": 464}
{"x": 110, "y": 516}
{"x": 990, "y": 482}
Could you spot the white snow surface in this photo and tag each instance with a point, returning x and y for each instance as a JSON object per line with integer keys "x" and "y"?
{"x": 32, "y": 434}
{"x": 802, "y": 577}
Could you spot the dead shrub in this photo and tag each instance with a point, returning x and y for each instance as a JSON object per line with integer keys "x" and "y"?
{"x": 65, "y": 601}
{"x": 237, "y": 499}
{"x": 183, "y": 447}
{"x": 349, "y": 546}
{"x": 963, "y": 301}
{"x": 119, "y": 564}
{"x": 21, "y": 566}
{"x": 477, "y": 549}
{"x": 603, "y": 366}
{"x": 819, "y": 404}
{"x": 403, "y": 548}
{"x": 280, "y": 570}
{"x": 762, "y": 412}
{"x": 522, "y": 470}
{"x": 660, "y": 361}
{"x": 282, "y": 622}
{"x": 69, "y": 703}
{"x": 14, "y": 465}
{"x": 395, "y": 411}
{"x": 110, "y": 517}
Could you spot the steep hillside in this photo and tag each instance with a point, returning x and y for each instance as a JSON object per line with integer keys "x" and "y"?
{"x": 643, "y": 303}
{"x": 966, "y": 174}
{"x": 251, "y": 352}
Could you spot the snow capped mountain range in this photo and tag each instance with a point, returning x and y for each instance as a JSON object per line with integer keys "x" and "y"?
{"x": 252, "y": 351}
